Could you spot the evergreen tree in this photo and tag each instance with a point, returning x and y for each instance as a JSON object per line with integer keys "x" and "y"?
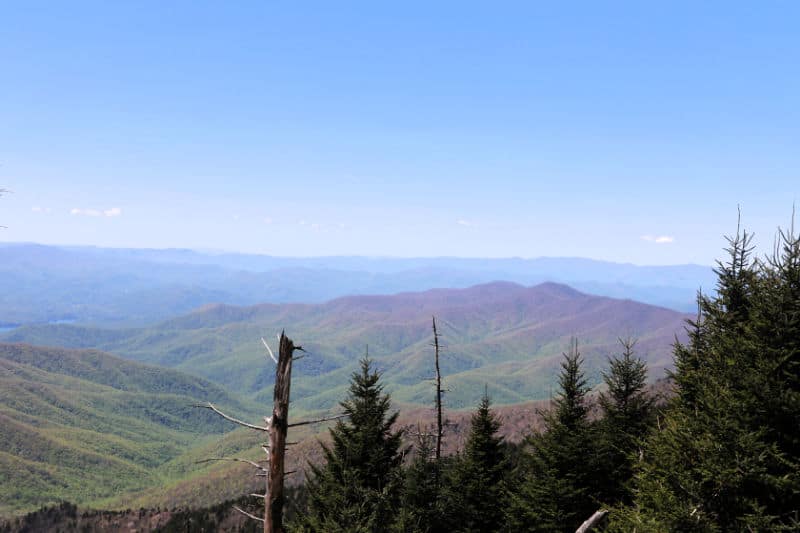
{"x": 627, "y": 416}
{"x": 421, "y": 509}
{"x": 555, "y": 492}
{"x": 475, "y": 495}
{"x": 358, "y": 487}
{"x": 726, "y": 456}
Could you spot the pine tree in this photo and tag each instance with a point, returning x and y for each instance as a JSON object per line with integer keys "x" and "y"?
{"x": 358, "y": 487}
{"x": 726, "y": 457}
{"x": 555, "y": 492}
{"x": 627, "y": 416}
{"x": 475, "y": 495}
{"x": 421, "y": 509}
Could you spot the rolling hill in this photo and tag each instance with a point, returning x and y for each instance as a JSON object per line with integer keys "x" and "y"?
{"x": 86, "y": 426}
{"x": 502, "y": 333}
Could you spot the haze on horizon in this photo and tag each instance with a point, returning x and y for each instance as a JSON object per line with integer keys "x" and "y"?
{"x": 624, "y": 132}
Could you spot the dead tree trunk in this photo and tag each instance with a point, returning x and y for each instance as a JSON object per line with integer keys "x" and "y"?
{"x": 278, "y": 426}
{"x": 439, "y": 428}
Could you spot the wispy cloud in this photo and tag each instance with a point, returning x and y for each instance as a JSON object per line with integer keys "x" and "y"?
{"x": 40, "y": 209}
{"x": 321, "y": 227}
{"x": 659, "y": 239}
{"x": 110, "y": 212}
{"x": 465, "y": 223}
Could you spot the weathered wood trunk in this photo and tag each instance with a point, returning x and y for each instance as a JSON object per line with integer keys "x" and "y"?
{"x": 439, "y": 428}
{"x": 278, "y": 426}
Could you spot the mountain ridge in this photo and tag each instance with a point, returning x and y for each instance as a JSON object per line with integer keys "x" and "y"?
{"x": 123, "y": 287}
{"x": 503, "y": 332}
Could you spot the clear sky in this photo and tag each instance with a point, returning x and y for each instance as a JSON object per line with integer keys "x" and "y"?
{"x": 626, "y": 131}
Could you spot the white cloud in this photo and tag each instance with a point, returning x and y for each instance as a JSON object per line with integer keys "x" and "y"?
{"x": 465, "y": 223}
{"x": 85, "y": 212}
{"x": 267, "y": 220}
{"x": 39, "y": 209}
{"x": 111, "y": 212}
{"x": 659, "y": 239}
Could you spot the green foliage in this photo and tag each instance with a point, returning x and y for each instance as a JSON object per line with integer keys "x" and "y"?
{"x": 555, "y": 489}
{"x": 421, "y": 505}
{"x": 475, "y": 493}
{"x": 359, "y": 486}
{"x": 628, "y": 412}
{"x": 726, "y": 457}
{"x": 84, "y": 425}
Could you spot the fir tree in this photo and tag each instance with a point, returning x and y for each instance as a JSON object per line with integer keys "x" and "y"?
{"x": 421, "y": 506}
{"x": 726, "y": 457}
{"x": 358, "y": 487}
{"x": 555, "y": 492}
{"x": 627, "y": 415}
{"x": 475, "y": 493}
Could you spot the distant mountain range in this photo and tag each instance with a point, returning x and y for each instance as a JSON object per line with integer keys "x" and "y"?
{"x": 503, "y": 334}
{"x": 136, "y": 287}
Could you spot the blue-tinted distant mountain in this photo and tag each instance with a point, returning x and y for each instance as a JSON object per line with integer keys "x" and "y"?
{"x": 141, "y": 286}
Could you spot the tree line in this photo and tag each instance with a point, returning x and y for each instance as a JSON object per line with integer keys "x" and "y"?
{"x": 722, "y": 454}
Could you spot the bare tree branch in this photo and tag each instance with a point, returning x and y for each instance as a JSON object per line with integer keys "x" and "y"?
{"x": 233, "y": 459}
{"x": 230, "y": 418}
{"x": 269, "y": 350}
{"x": 287, "y": 473}
{"x": 592, "y": 521}
{"x": 248, "y": 515}
{"x": 318, "y": 420}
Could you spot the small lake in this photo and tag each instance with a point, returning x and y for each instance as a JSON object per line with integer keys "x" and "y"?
{"x": 7, "y": 328}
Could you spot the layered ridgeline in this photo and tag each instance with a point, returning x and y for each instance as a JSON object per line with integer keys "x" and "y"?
{"x": 140, "y": 287}
{"x": 503, "y": 334}
{"x": 85, "y": 426}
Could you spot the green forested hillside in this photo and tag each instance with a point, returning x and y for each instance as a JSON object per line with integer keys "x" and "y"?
{"x": 507, "y": 334}
{"x": 84, "y": 425}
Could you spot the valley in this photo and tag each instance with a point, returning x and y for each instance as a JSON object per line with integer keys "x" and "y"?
{"x": 120, "y": 431}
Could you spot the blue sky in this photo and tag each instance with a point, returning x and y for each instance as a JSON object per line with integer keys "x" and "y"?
{"x": 627, "y": 131}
